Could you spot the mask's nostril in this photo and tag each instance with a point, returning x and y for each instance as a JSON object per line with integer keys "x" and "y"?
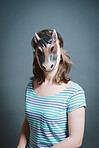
{"x": 43, "y": 67}
{"x": 52, "y": 66}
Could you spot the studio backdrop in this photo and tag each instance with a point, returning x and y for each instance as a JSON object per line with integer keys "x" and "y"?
{"x": 78, "y": 23}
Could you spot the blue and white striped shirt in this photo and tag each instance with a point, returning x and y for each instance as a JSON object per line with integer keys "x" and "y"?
{"x": 48, "y": 116}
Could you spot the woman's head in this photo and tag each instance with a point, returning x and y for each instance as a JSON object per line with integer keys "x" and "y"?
{"x": 48, "y": 55}
{"x": 47, "y": 51}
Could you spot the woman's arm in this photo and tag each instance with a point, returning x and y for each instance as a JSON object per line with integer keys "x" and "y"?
{"x": 24, "y": 136}
{"x": 76, "y": 121}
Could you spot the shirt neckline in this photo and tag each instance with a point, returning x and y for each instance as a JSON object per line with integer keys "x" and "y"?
{"x": 54, "y": 94}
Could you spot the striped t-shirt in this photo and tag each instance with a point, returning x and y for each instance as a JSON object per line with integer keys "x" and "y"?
{"x": 48, "y": 116}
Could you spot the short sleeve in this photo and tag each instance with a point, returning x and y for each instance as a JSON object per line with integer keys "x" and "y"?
{"x": 77, "y": 100}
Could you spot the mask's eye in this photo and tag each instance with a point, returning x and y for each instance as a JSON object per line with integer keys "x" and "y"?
{"x": 39, "y": 51}
{"x": 52, "y": 49}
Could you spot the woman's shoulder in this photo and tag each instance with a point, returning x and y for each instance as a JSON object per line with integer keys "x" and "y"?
{"x": 76, "y": 86}
{"x": 76, "y": 89}
{"x": 29, "y": 84}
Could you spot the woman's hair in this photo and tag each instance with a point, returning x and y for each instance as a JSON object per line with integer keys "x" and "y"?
{"x": 64, "y": 65}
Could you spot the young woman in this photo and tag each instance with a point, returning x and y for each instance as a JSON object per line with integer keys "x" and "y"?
{"x": 54, "y": 105}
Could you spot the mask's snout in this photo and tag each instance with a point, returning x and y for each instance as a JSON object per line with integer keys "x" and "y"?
{"x": 48, "y": 67}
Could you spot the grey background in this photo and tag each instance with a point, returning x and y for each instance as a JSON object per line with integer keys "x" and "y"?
{"x": 78, "y": 23}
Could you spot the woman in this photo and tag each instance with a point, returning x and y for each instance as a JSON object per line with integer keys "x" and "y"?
{"x": 54, "y": 105}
